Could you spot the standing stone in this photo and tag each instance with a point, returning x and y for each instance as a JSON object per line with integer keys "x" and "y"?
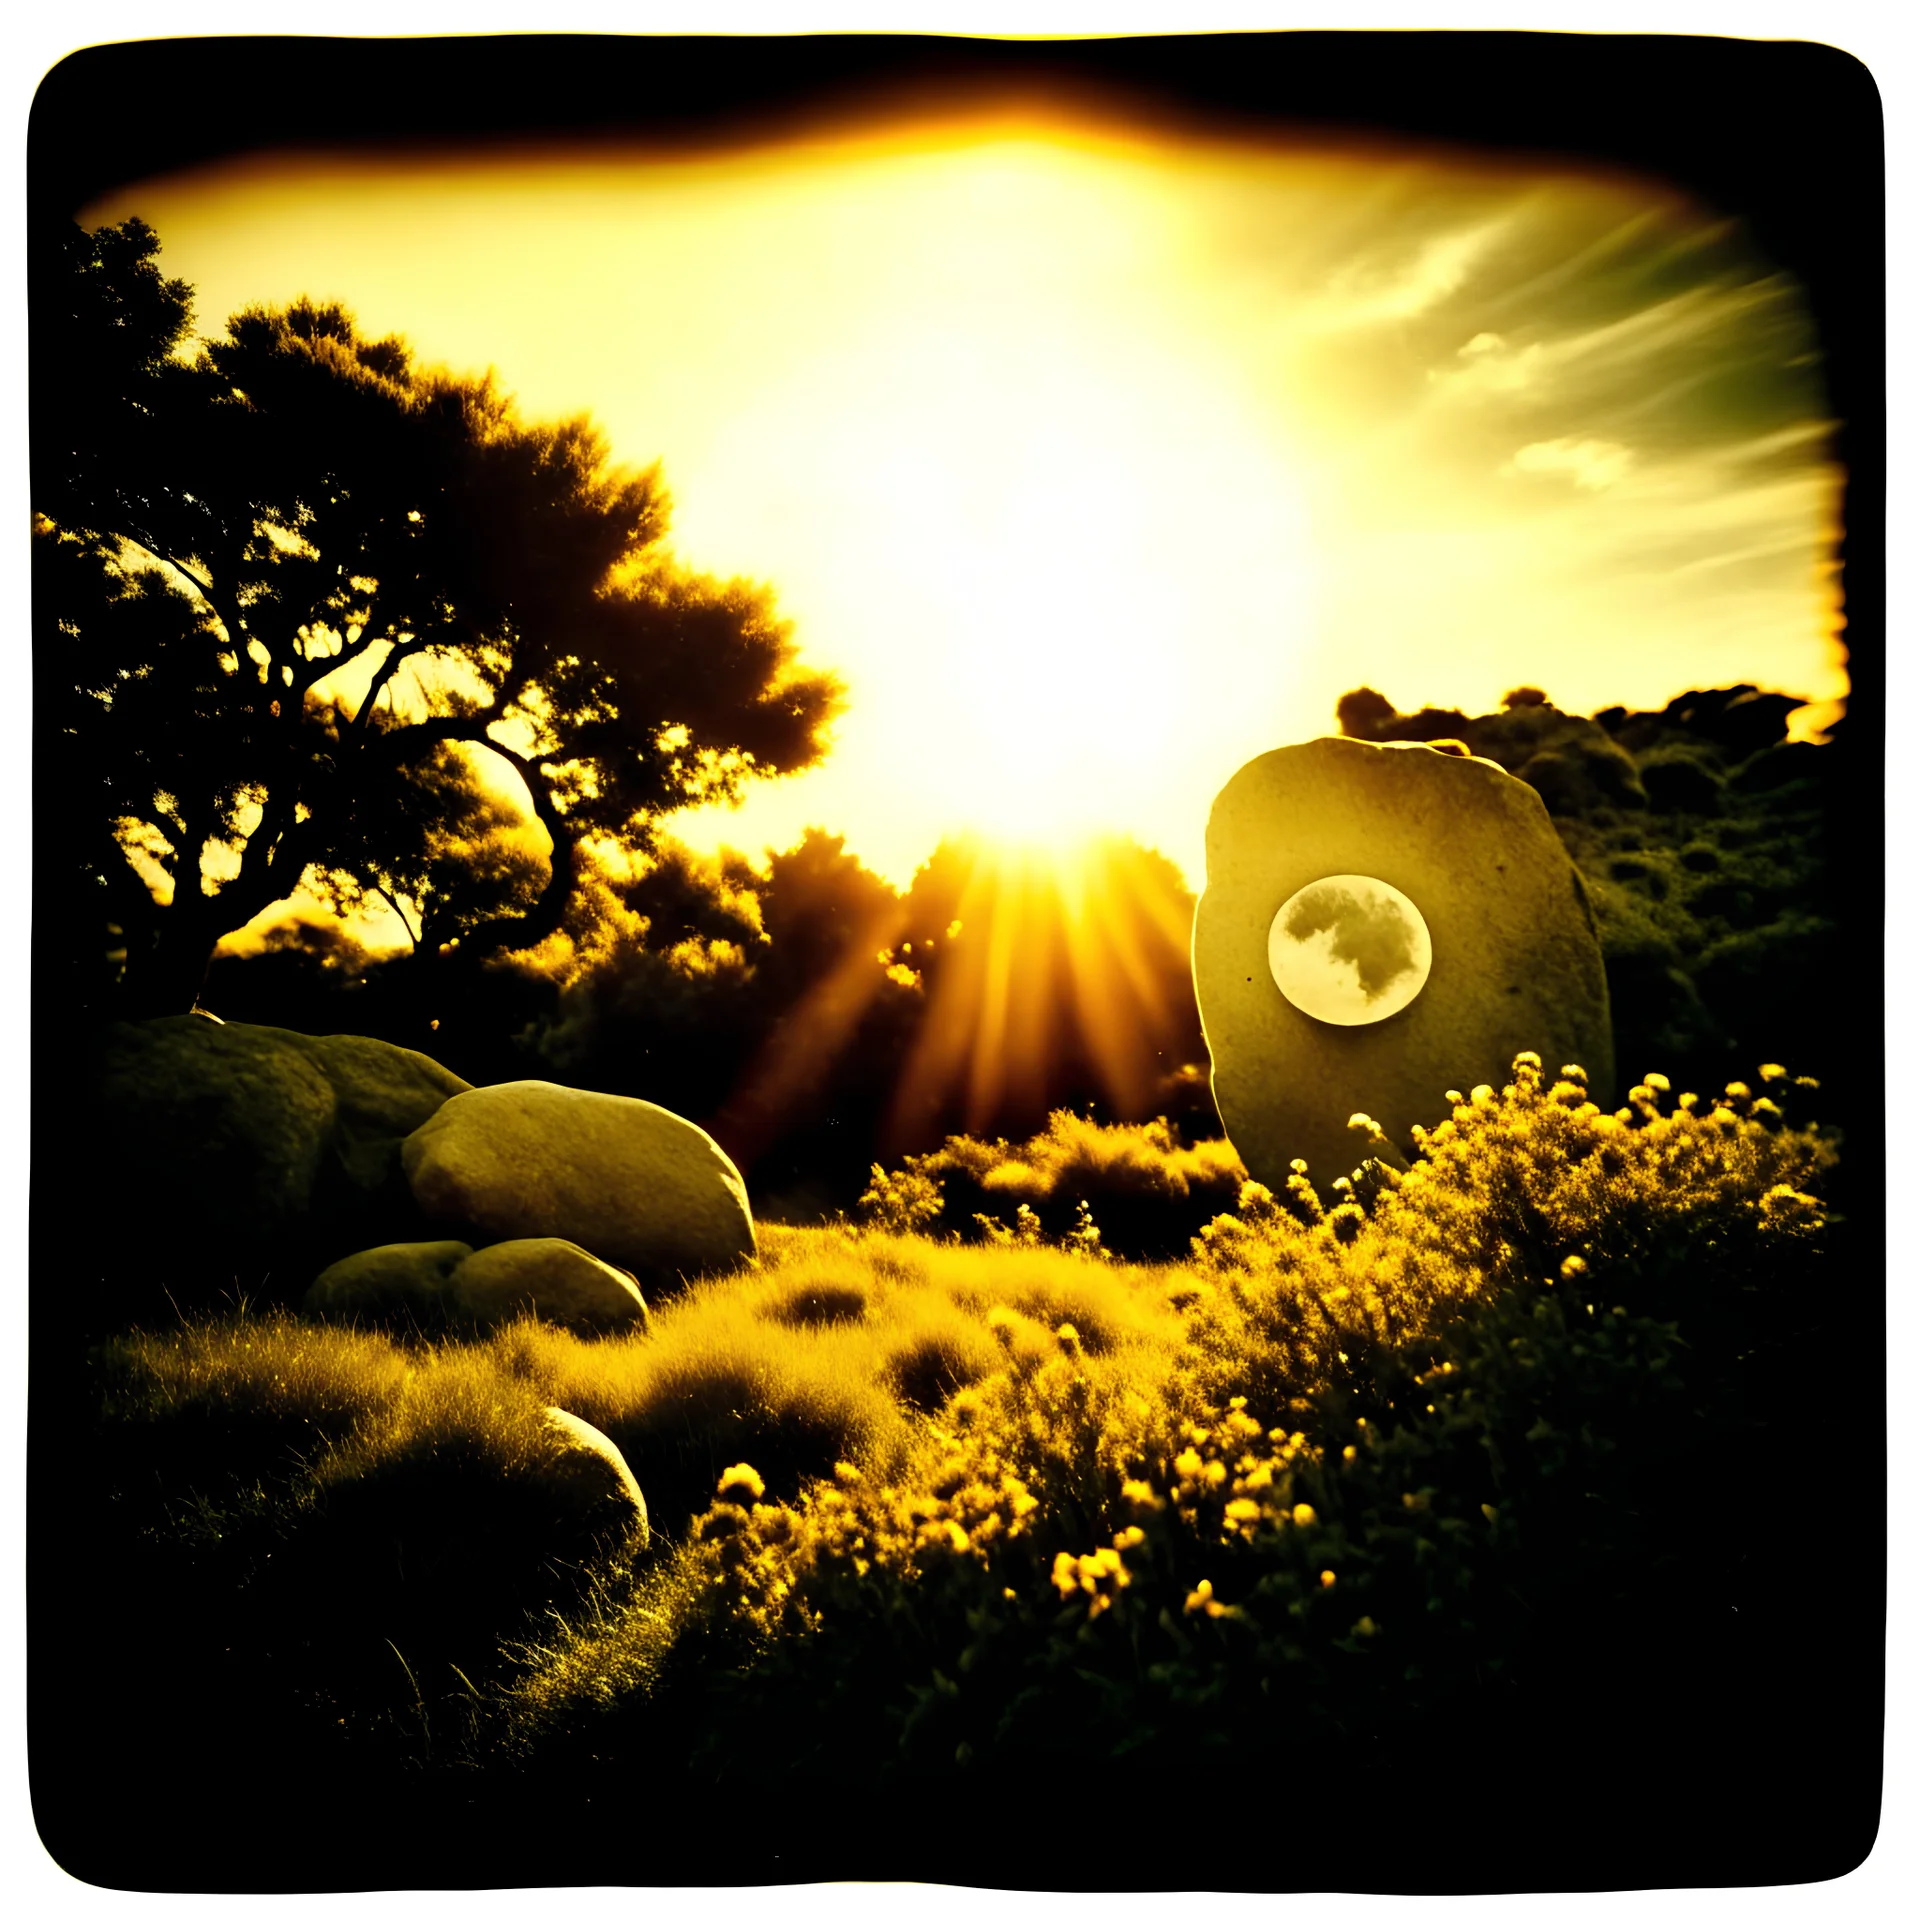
{"x": 1515, "y": 965}
{"x": 629, "y": 1181}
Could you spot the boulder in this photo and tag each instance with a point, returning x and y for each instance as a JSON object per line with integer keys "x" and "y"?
{"x": 409, "y": 1277}
{"x": 1514, "y": 964}
{"x": 591, "y": 1474}
{"x": 432, "y": 1281}
{"x": 629, "y": 1181}
{"x": 557, "y": 1279}
{"x": 251, "y": 1147}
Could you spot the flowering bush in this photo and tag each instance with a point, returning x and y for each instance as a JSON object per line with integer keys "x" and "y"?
{"x": 1413, "y": 1445}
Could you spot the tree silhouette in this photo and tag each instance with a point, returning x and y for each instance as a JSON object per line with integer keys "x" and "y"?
{"x": 286, "y": 593}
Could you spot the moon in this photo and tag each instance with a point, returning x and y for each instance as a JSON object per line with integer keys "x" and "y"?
{"x": 1349, "y": 950}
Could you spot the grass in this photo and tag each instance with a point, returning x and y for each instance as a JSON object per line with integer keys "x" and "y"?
{"x": 921, "y": 1506}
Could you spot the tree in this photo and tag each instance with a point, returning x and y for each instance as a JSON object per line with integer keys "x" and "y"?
{"x": 276, "y": 585}
{"x": 1363, "y": 712}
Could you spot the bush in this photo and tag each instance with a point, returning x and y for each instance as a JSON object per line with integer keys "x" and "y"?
{"x": 1411, "y": 1451}
{"x": 1139, "y": 1192}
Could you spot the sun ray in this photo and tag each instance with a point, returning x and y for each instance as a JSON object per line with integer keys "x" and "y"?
{"x": 1069, "y": 955}
{"x": 805, "y": 1044}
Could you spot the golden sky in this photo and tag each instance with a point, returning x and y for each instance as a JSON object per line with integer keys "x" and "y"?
{"x": 1097, "y": 462}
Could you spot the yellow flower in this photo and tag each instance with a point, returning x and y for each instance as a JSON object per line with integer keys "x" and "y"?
{"x": 1304, "y": 1515}
{"x": 1327, "y": 1576}
{"x": 1201, "y": 1596}
{"x": 742, "y": 1475}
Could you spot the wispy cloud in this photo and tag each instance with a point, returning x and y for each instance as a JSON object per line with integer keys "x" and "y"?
{"x": 1592, "y": 464}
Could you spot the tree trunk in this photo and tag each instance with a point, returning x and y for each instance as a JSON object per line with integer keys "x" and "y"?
{"x": 167, "y": 976}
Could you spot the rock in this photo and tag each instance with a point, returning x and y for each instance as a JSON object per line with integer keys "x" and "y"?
{"x": 1515, "y": 960}
{"x": 557, "y": 1279}
{"x": 433, "y": 1281}
{"x": 627, "y": 1180}
{"x": 590, "y": 1472}
{"x": 250, "y": 1147}
{"x": 409, "y": 1277}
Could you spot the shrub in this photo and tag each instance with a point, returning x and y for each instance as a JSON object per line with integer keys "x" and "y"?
{"x": 1140, "y": 1192}
{"x": 1412, "y": 1450}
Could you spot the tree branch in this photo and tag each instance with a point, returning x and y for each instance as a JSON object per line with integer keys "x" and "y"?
{"x": 224, "y": 610}
{"x": 201, "y": 587}
{"x": 316, "y": 667}
{"x": 544, "y": 916}
{"x": 401, "y": 651}
{"x": 412, "y": 937}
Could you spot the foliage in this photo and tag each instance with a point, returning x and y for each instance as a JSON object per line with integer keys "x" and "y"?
{"x": 280, "y": 581}
{"x": 1142, "y": 1190}
{"x": 1713, "y": 853}
{"x": 1458, "y": 1443}
{"x": 786, "y": 1008}
{"x": 1395, "y": 1440}
{"x": 815, "y": 1019}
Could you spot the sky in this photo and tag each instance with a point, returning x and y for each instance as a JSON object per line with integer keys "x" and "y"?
{"x": 1096, "y": 461}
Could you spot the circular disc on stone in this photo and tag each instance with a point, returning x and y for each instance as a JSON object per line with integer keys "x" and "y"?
{"x": 1349, "y": 950}
{"x": 1515, "y": 961}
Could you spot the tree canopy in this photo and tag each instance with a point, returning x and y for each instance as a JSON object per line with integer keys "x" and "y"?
{"x": 293, "y": 595}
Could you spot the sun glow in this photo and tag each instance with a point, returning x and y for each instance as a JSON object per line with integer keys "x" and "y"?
{"x": 1029, "y": 964}
{"x": 1098, "y": 461}
{"x": 1051, "y": 951}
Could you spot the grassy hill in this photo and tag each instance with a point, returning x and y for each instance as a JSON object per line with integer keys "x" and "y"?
{"x": 1478, "y": 1520}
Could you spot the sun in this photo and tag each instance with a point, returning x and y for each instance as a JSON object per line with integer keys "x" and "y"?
{"x": 1071, "y": 548}
{"x": 1083, "y": 577}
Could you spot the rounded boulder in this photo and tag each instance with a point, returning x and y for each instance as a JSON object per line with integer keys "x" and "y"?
{"x": 554, "y": 1278}
{"x": 628, "y": 1181}
{"x": 280, "y": 1150}
{"x": 407, "y": 1277}
{"x": 588, "y": 1471}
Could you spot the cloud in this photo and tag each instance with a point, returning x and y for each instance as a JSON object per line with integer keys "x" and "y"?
{"x": 1403, "y": 281}
{"x": 1593, "y": 465}
{"x": 1374, "y": 934}
{"x": 1490, "y": 365}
